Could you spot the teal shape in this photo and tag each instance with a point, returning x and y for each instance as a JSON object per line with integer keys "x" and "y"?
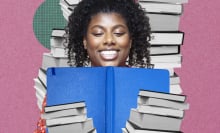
{"x": 47, "y": 17}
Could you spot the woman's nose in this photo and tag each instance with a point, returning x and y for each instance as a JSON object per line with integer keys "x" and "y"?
{"x": 109, "y": 39}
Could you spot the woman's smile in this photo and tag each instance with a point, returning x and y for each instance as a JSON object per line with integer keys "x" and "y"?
{"x": 109, "y": 54}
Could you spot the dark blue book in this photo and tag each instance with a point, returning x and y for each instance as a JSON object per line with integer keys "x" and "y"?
{"x": 109, "y": 92}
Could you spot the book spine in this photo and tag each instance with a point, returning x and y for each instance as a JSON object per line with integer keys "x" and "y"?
{"x": 110, "y": 100}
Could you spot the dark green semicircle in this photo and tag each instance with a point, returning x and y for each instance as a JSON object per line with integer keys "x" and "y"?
{"x": 47, "y": 17}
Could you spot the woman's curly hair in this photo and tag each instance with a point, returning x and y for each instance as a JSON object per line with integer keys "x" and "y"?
{"x": 136, "y": 20}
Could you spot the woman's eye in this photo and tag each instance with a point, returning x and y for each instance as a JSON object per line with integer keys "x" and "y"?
{"x": 118, "y": 34}
{"x": 97, "y": 34}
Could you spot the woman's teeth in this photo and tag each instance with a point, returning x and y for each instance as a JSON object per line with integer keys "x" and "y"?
{"x": 109, "y": 54}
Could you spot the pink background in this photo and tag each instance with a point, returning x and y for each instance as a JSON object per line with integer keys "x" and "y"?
{"x": 21, "y": 56}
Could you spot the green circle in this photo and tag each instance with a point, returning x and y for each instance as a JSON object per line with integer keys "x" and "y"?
{"x": 47, "y": 17}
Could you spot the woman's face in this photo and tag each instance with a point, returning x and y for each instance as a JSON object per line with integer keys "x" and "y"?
{"x": 107, "y": 40}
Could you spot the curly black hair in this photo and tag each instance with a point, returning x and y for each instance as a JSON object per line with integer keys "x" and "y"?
{"x": 136, "y": 20}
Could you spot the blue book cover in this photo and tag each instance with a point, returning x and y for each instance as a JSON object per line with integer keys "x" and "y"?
{"x": 109, "y": 92}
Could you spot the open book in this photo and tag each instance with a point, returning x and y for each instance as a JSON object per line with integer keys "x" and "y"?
{"x": 109, "y": 92}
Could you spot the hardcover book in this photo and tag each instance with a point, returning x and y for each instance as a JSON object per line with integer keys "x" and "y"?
{"x": 167, "y": 103}
{"x": 154, "y": 122}
{"x": 167, "y": 38}
{"x": 164, "y": 50}
{"x": 109, "y": 92}
{"x": 132, "y": 128}
{"x": 166, "y": 8}
{"x": 64, "y": 107}
{"x": 72, "y": 2}
{"x": 164, "y": 22}
{"x": 40, "y": 87}
{"x": 171, "y": 97}
{"x": 148, "y": 109}
{"x": 50, "y": 61}
{"x": 42, "y": 76}
{"x": 166, "y": 58}
{"x": 167, "y": 1}
{"x": 58, "y": 33}
{"x": 59, "y": 52}
{"x": 77, "y": 127}
{"x": 64, "y": 113}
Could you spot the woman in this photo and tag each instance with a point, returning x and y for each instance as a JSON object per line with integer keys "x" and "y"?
{"x": 107, "y": 33}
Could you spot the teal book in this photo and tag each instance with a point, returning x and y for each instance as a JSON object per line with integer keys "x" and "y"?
{"x": 109, "y": 92}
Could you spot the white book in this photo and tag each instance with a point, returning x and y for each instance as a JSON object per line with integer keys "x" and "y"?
{"x": 167, "y": 65}
{"x": 160, "y": 111}
{"x": 39, "y": 97}
{"x": 72, "y": 2}
{"x": 167, "y": 38}
{"x": 50, "y": 61}
{"x": 65, "y": 120}
{"x": 42, "y": 76}
{"x": 66, "y": 10}
{"x": 81, "y": 127}
{"x": 65, "y": 112}
{"x": 153, "y": 7}
{"x": 58, "y": 42}
{"x": 66, "y": 16}
{"x": 155, "y": 122}
{"x": 166, "y": 58}
{"x": 167, "y": 1}
{"x": 162, "y": 103}
{"x": 58, "y": 33}
{"x": 164, "y": 50}
{"x": 40, "y": 92}
{"x": 132, "y": 128}
{"x": 176, "y": 89}
{"x": 173, "y": 97}
{"x": 164, "y": 22}
{"x": 63, "y": 4}
{"x": 59, "y": 52}
{"x": 39, "y": 86}
{"x": 64, "y": 106}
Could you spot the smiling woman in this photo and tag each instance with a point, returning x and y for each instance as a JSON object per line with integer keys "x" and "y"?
{"x": 108, "y": 33}
{"x": 107, "y": 40}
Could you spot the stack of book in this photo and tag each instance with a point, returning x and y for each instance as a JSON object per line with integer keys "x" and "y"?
{"x": 58, "y": 43}
{"x": 68, "y": 118}
{"x": 67, "y": 7}
{"x": 166, "y": 39}
{"x": 57, "y": 57}
{"x": 157, "y": 113}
